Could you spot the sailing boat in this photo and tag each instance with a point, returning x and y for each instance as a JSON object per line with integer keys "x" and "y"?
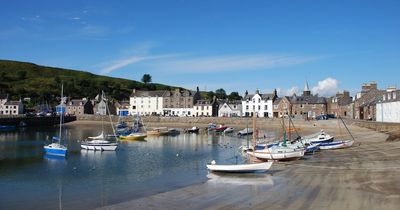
{"x": 135, "y": 134}
{"x": 281, "y": 152}
{"x": 338, "y": 144}
{"x": 56, "y": 148}
{"x": 241, "y": 168}
{"x": 101, "y": 142}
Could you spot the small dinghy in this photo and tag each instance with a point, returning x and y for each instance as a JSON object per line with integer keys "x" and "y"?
{"x": 193, "y": 130}
{"x": 239, "y": 168}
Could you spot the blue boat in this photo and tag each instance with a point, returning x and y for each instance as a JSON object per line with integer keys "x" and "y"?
{"x": 7, "y": 127}
{"x": 56, "y": 148}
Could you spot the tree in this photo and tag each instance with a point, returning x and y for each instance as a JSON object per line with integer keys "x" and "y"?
{"x": 220, "y": 93}
{"x": 234, "y": 96}
{"x": 146, "y": 78}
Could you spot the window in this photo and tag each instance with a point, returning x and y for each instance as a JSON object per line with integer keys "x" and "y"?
{"x": 259, "y": 107}
{"x": 254, "y": 100}
{"x": 266, "y": 107}
{"x": 234, "y": 106}
{"x": 259, "y": 100}
{"x": 225, "y": 106}
{"x": 389, "y": 96}
{"x": 275, "y": 106}
{"x": 247, "y": 107}
{"x": 254, "y": 107}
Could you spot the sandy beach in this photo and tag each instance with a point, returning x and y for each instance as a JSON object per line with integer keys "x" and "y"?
{"x": 365, "y": 176}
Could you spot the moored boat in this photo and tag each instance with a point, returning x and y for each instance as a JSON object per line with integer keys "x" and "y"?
{"x": 194, "y": 129}
{"x": 239, "y": 168}
{"x": 246, "y": 131}
{"x": 336, "y": 145}
{"x": 173, "y": 132}
{"x": 229, "y": 130}
{"x": 7, "y": 127}
{"x": 56, "y": 148}
{"x": 102, "y": 142}
{"x": 162, "y": 131}
{"x": 133, "y": 136}
{"x": 99, "y": 145}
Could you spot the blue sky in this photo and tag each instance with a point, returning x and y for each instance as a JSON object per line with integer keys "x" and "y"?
{"x": 235, "y": 45}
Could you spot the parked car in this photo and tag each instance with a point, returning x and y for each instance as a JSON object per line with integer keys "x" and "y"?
{"x": 322, "y": 117}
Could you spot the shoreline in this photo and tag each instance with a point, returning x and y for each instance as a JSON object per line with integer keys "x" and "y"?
{"x": 364, "y": 176}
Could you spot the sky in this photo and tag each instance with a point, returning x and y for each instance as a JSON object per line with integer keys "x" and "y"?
{"x": 230, "y": 44}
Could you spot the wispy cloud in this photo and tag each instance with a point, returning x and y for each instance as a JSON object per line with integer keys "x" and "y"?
{"x": 231, "y": 63}
{"x": 131, "y": 60}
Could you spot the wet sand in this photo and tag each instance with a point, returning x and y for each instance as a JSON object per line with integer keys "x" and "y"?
{"x": 365, "y": 176}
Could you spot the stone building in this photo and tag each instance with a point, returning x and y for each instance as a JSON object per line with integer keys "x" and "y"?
{"x": 365, "y": 102}
{"x": 388, "y": 106}
{"x": 339, "y": 105}
{"x": 104, "y": 105}
{"x": 307, "y": 105}
{"x": 79, "y": 107}
{"x": 282, "y": 107}
{"x": 179, "y": 99}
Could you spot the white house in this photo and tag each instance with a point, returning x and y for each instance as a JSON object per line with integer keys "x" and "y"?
{"x": 12, "y": 108}
{"x": 203, "y": 108}
{"x": 230, "y": 109}
{"x": 262, "y": 104}
{"x": 146, "y": 102}
{"x": 388, "y": 109}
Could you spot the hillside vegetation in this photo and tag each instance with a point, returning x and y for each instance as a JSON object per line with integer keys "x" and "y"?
{"x": 43, "y": 84}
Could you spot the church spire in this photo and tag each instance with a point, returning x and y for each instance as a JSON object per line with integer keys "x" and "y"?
{"x": 306, "y": 87}
{"x": 306, "y": 91}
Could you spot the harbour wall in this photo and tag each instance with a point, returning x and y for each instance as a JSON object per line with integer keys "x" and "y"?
{"x": 34, "y": 121}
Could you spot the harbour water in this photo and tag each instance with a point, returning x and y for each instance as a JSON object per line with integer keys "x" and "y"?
{"x": 87, "y": 179}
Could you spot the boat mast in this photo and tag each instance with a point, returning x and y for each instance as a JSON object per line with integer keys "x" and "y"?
{"x": 109, "y": 115}
{"x": 254, "y": 131}
{"x": 62, "y": 113}
{"x": 284, "y": 132}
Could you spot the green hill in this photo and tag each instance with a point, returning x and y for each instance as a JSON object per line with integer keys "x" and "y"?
{"x": 43, "y": 84}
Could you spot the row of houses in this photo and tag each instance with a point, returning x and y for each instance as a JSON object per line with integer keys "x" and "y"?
{"x": 369, "y": 104}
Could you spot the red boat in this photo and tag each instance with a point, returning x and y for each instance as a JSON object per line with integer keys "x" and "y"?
{"x": 221, "y": 128}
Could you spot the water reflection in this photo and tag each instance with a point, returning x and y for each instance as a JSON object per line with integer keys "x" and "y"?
{"x": 89, "y": 179}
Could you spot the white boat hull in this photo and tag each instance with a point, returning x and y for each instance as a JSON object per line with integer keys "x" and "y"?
{"x": 240, "y": 168}
{"x": 100, "y": 147}
{"x": 265, "y": 155}
{"x": 336, "y": 145}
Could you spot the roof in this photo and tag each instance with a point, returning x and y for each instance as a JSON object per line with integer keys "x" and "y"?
{"x": 203, "y": 102}
{"x": 394, "y": 96}
{"x": 77, "y": 102}
{"x": 371, "y": 97}
{"x": 13, "y": 103}
{"x": 263, "y": 96}
{"x": 149, "y": 93}
{"x": 307, "y": 100}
